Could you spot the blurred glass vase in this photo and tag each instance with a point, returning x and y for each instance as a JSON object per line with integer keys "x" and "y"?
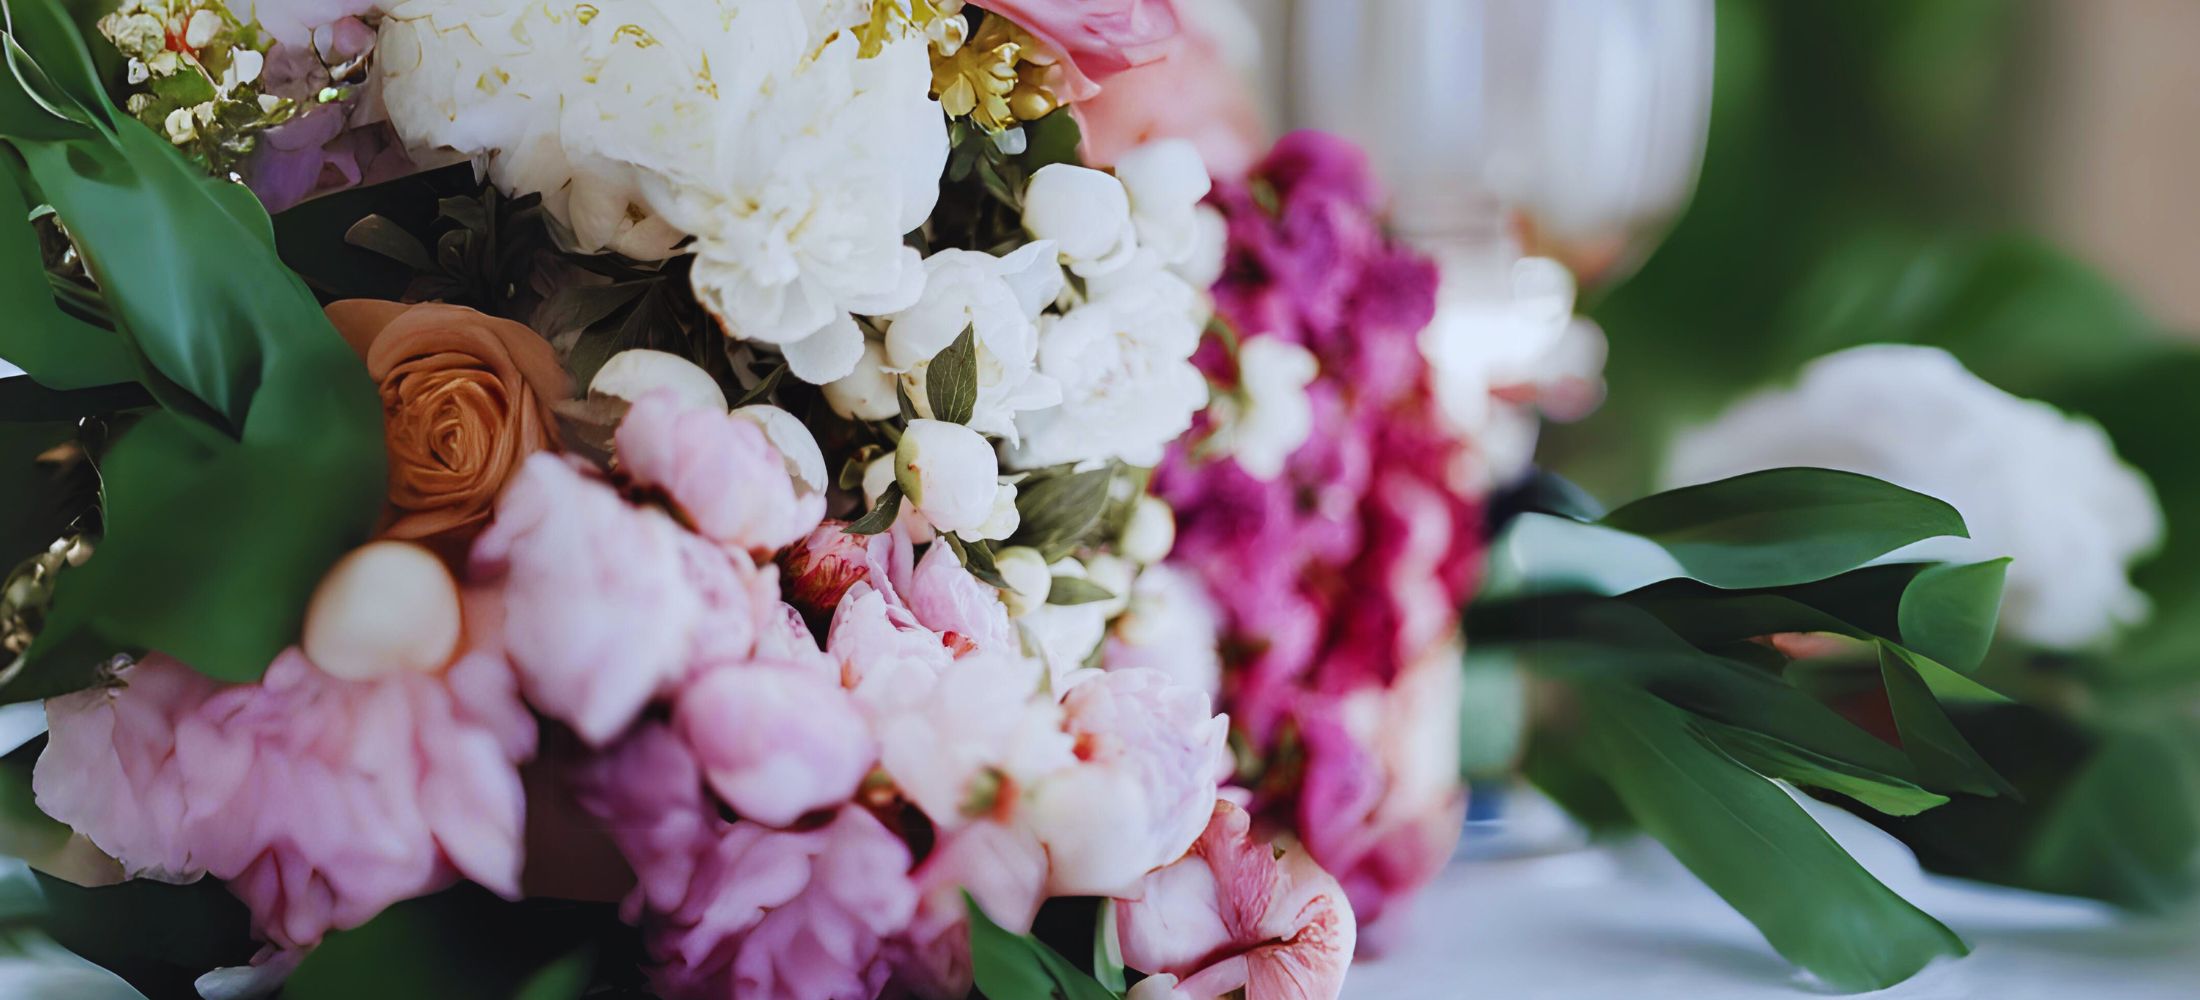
{"x": 1567, "y": 128}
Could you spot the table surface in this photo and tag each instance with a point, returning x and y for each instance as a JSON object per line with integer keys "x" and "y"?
{"x": 1627, "y": 921}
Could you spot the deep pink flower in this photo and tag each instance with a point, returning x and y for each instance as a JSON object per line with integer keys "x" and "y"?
{"x": 1339, "y": 579}
{"x": 320, "y": 801}
{"x": 740, "y": 910}
{"x": 720, "y": 471}
{"x": 1239, "y": 914}
{"x": 1094, "y": 39}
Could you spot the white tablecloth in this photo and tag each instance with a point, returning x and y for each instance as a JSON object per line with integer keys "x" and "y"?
{"x": 1629, "y": 922}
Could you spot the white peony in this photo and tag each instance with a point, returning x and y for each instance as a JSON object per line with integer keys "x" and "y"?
{"x": 951, "y": 475}
{"x": 1270, "y": 416}
{"x": 2033, "y": 483}
{"x": 1123, "y": 359}
{"x": 1085, "y": 213}
{"x": 745, "y": 132}
{"x": 999, "y": 299}
{"x": 868, "y": 392}
{"x": 1172, "y": 626}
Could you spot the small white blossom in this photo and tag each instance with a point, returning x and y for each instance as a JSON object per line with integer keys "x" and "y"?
{"x": 950, "y": 473}
{"x": 868, "y": 392}
{"x": 2032, "y": 483}
{"x": 632, "y": 374}
{"x": 1165, "y": 181}
{"x": 180, "y": 126}
{"x": 202, "y": 28}
{"x": 1150, "y": 532}
{"x": 794, "y": 442}
{"x": 1085, "y": 213}
{"x": 1028, "y": 578}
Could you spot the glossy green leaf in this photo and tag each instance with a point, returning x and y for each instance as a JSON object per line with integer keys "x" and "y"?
{"x": 1057, "y": 510}
{"x": 1751, "y": 843}
{"x": 1943, "y": 757}
{"x": 881, "y": 515}
{"x": 1776, "y": 758}
{"x": 55, "y": 348}
{"x": 1784, "y": 526}
{"x": 1020, "y": 967}
{"x": 951, "y": 379}
{"x": 1949, "y": 612}
{"x": 267, "y": 460}
{"x": 1069, "y": 591}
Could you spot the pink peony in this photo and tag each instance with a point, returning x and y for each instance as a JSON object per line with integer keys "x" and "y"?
{"x": 319, "y": 801}
{"x": 608, "y": 605}
{"x": 1003, "y": 868}
{"x": 1190, "y": 92}
{"x": 736, "y": 909}
{"x": 1238, "y": 914}
{"x": 720, "y": 471}
{"x": 775, "y": 740}
{"x": 821, "y": 567}
{"x": 1151, "y": 754}
{"x": 1094, "y": 39}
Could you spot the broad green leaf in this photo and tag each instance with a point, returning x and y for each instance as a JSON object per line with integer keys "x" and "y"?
{"x": 1058, "y": 510}
{"x": 2127, "y": 826}
{"x": 951, "y": 379}
{"x": 1019, "y": 967}
{"x": 55, "y": 348}
{"x": 1776, "y": 758}
{"x": 1949, "y": 612}
{"x": 1751, "y": 843}
{"x": 881, "y": 515}
{"x": 1107, "y": 950}
{"x": 267, "y": 462}
{"x": 1784, "y": 526}
{"x": 1943, "y": 757}
{"x": 1075, "y": 590}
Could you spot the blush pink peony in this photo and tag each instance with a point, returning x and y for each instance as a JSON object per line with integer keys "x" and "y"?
{"x": 320, "y": 801}
{"x": 719, "y": 471}
{"x": 1094, "y": 39}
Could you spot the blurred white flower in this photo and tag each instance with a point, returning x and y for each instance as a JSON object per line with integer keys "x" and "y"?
{"x": 1028, "y": 578}
{"x": 1150, "y": 533}
{"x": 632, "y": 374}
{"x": 949, "y": 473}
{"x": 2032, "y": 482}
{"x": 999, "y": 299}
{"x": 1505, "y": 350}
{"x": 1085, "y": 213}
{"x": 1124, "y": 363}
{"x": 867, "y": 393}
{"x": 748, "y": 128}
{"x": 1269, "y": 416}
{"x": 1172, "y": 626}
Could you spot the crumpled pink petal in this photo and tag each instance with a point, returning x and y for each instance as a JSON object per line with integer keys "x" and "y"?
{"x": 1236, "y": 913}
{"x": 320, "y": 801}
{"x": 720, "y": 471}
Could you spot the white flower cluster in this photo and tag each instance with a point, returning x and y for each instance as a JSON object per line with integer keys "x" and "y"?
{"x": 748, "y": 133}
{"x": 2035, "y": 484}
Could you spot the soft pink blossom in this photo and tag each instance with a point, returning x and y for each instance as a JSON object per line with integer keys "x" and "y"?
{"x": 1151, "y": 753}
{"x": 1003, "y": 869}
{"x": 737, "y": 909}
{"x": 609, "y": 605}
{"x": 775, "y": 740}
{"x": 1238, "y": 914}
{"x": 720, "y": 471}
{"x": 1094, "y": 39}
{"x": 1191, "y": 92}
{"x": 822, "y": 566}
{"x": 320, "y": 801}
{"x": 971, "y": 744}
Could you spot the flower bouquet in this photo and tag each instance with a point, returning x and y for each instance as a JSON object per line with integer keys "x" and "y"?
{"x": 795, "y": 498}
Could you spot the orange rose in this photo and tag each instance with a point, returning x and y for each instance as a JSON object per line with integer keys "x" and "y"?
{"x": 466, "y": 398}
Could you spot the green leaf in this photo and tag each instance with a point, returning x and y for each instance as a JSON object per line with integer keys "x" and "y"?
{"x": 1019, "y": 967}
{"x": 1944, "y": 758}
{"x": 266, "y": 462}
{"x": 1762, "y": 853}
{"x": 763, "y": 391}
{"x": 1107, "y": 951}
{"x": 58, "y": 350}
{"x": 882, "y": 513}
{"x": 951, "y": 379}
{"x": 2127, "y": 827}
{"x": 1949, "y": 612}
{"x": 977, "y": 557}
{"x": 1074, "y": 590}
{"x": 1058, "y": 510}
{"x": 1784, "y": 526}
{"x": 1776, "y": 758}
{"x": 1052, "y": 139}
{"x": 380, "y": 235}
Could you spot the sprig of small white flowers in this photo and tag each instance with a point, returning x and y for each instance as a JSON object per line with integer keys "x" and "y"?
{"x": 198, "y": 65}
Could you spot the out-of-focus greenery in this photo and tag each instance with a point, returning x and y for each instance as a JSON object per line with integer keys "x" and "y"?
{"x": 1864, "y": 181}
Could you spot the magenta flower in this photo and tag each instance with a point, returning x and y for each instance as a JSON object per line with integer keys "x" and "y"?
{"x": 1339, "y": 581}
{"x": 319, "y": 801}
{"x": 1239, "y": 914}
